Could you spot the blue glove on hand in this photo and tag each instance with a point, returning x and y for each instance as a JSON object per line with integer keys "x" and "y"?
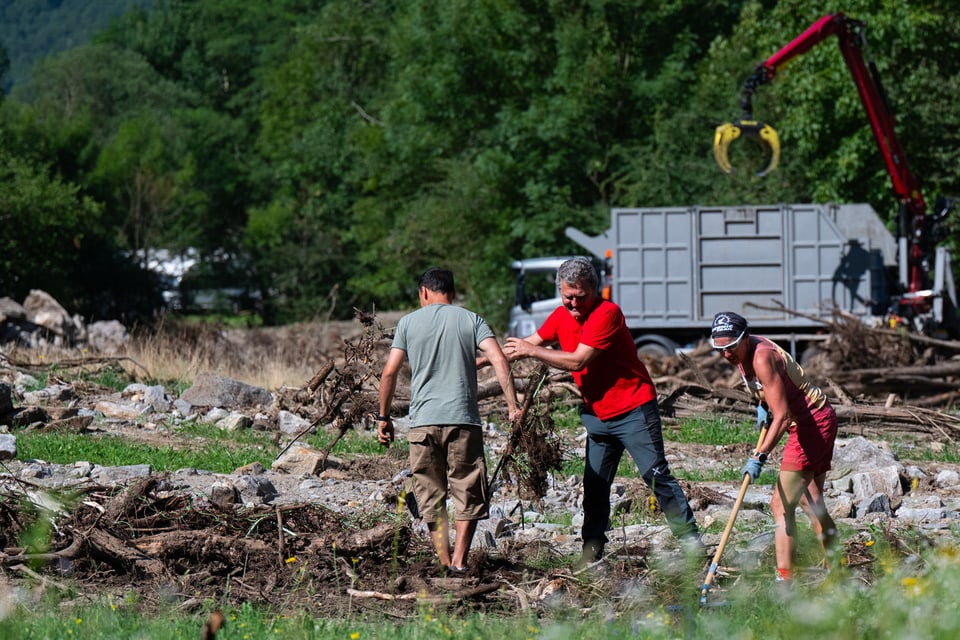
{"x": 763, "y": 416}
{"x": 753, "y": 468}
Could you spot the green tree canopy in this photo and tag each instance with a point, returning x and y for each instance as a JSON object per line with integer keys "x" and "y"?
{"x": 45, "y": 223}
{"x": 338, "y": 148}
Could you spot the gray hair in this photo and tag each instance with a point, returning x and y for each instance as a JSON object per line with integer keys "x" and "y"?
{"x": 578, "y": 270}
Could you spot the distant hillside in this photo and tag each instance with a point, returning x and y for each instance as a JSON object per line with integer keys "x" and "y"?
{"x": 33, "y": 29}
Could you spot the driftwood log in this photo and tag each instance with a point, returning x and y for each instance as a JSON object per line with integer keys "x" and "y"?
{"x": 379, "y": 538}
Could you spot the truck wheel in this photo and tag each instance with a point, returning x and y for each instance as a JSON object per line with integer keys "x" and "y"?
{"x": 652, "y": 354}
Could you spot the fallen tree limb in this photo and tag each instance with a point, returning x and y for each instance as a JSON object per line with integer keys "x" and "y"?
{"x": 199, "y": 543}
{"x": 124, "y": 503}
{"x": 379, "y": 595}
{"x": 940, "y": 370}
{"x": 951, "y": 345}
{"x": 690, "y": 400}
{"x": 118, "y": 554}
{"x": 69, "y": 553}
{"x": 904, "y": 413}
{"x": 70, "y": 363}
{"x": 379, "y": 539}
{"x": 43, "y": 580}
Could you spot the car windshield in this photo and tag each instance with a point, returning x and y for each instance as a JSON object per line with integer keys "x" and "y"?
{"x": 539, "y": 285}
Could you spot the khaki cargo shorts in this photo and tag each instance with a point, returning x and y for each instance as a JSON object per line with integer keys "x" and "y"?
{"x": 449, "y": 458}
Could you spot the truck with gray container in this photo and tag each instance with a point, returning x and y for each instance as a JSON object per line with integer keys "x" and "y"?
{"x": 785, "y": 267}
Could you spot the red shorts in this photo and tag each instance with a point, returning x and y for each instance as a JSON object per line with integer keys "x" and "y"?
{"x": 810, "y": 444}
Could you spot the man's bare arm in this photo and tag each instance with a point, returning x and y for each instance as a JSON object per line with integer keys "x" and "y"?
{"x": 491, "y": 351}
{"x": 388, "y": 385}
{"x": 516, "y": 349}
{"x": 771, "y": 374}
{"x": 534, "y": 338}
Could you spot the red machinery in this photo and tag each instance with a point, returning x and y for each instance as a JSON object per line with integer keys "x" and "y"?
{"x": 919, "y": 232}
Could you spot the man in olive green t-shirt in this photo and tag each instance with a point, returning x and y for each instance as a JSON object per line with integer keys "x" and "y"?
{"x": 446, "y": 441}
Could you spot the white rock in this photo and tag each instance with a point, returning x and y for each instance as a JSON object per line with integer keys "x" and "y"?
{"x": 947, "y": 478}
{"x": 884, "y": 480}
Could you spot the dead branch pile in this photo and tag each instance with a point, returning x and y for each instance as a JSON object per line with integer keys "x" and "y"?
{"x": 171, "y": 547}
{"x": 878, "y": 380}
{"x": 341, "y": 393}
{"x": 191, "y": 546}
{"x": 534, "y": 449}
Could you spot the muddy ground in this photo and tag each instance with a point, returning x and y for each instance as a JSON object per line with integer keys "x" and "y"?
{"x": 149, "y": 546}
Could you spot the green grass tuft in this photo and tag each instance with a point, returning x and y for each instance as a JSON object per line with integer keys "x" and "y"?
{"x": 111, "y": 451}
{"x": 718, "y": 430}
{"x": 903, "y": 601}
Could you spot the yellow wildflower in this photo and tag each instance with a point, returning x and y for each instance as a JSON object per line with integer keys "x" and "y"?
{"x": 912, "y": 586}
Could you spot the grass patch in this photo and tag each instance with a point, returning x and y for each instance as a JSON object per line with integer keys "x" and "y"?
{"x": 216, "y": 450}
{"x": 564, "y": 518}
{"x": 717, "y": 430}
{"x": 194, "y": 429}
{"x": 40, "y": 382}
{"x": 352, "y": 443}
{"x": 927, "y": 451}
{"x": 111, "y": 377}
{"x": 96, "y": 622}
{"x": 902, "y": 601}
{"x": 110, "y": 451}
{"x": 575, "y": 467}
{"x": 566, "y": 418}
{"x": 213, "y": 448}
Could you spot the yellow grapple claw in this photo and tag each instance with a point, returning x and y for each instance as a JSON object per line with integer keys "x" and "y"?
{"x": 722, "y": 137}
{"x": 730, "y": 131}
{"x": 768, "y": 135}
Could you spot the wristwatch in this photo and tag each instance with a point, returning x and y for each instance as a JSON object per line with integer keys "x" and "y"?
{"x": 762, "y": 457}
{"x": 383, "y": 418}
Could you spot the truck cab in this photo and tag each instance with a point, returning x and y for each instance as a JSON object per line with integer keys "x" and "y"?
{"x": 537, "y": 293}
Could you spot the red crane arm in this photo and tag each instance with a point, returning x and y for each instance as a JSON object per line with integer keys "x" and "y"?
{"x": 906, "y": 186}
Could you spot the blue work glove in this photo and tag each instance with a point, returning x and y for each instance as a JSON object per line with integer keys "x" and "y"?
{"x": 763, "y": 416}
{"x": 753, "y": 467}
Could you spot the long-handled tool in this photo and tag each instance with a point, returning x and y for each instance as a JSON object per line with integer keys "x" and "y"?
{"x": 726, "y": 532}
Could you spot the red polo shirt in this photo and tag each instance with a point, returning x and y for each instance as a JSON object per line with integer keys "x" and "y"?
{"x": 615, "y": 381}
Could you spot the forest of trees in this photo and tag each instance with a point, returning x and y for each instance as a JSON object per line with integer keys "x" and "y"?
{"x": 326, "y": 152}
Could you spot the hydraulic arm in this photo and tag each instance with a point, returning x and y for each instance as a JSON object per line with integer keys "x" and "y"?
{"x": 922, "y": 231}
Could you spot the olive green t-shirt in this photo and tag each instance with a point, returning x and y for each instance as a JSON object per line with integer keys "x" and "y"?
{"x": 441, "y": 342}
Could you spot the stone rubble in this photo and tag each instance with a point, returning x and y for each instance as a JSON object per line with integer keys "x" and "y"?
{"x": 867, "y": 487}
{"x": 41, "y": 321}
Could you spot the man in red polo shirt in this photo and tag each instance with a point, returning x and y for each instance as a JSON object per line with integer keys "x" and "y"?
{"x": 620, "y": 409}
